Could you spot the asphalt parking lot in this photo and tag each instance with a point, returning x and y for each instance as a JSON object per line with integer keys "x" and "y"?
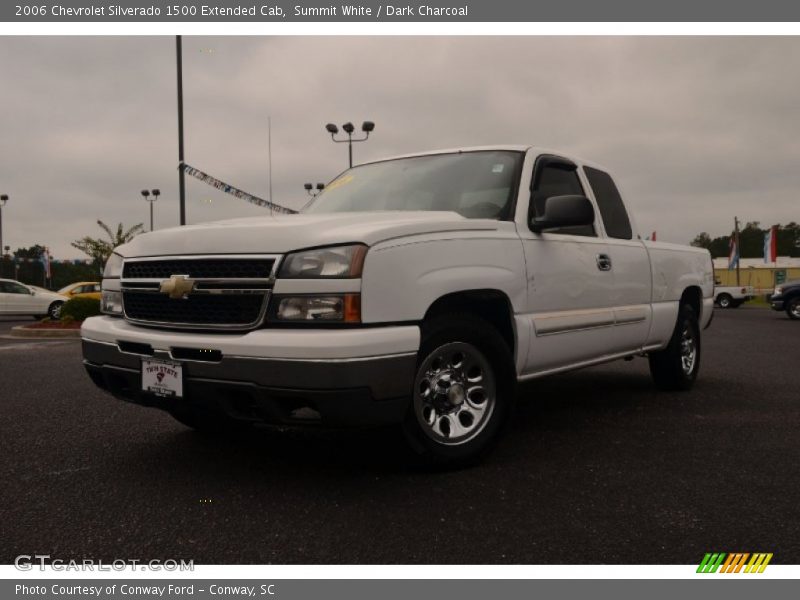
{"x": 597, "y": 467}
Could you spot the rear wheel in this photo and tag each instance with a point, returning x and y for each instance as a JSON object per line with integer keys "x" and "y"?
{"x": 676, "y": 367}
{"x": 725, "y": 300}
{"x": 793, "y": 308}
{"x": 463, "y": 391}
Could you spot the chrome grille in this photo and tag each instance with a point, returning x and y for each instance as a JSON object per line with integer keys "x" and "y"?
{"x": 229, "y": 292}
{"x": 205, "y": 268}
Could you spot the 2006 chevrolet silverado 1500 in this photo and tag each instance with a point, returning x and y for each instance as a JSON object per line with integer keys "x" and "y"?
{"x": 416, "y": 291}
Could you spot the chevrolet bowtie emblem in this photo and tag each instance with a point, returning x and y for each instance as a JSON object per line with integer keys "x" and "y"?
{"x": 177, "y": 286}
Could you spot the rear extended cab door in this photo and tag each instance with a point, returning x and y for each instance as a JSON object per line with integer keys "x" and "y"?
{"x": 629, "y": 263}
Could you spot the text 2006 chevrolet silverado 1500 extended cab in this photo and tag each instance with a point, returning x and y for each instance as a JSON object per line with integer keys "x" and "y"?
{"x": 416, "y": 290}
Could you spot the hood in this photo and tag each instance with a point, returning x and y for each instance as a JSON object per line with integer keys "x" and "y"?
{"x": 286, "y": 233}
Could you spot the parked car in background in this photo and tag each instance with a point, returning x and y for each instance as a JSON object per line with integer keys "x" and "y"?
{"x": 19, "y": 299}
{"x": 787, "y": 297}
{"x": 733, "y": 296}
{"x": 84, "y": 289}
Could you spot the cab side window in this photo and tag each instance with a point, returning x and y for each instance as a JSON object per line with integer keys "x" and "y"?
{"x": 557, "y": 179}
{"x": 609, "y": 202}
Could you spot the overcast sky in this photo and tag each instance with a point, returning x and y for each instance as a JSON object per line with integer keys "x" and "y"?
{"x": 695, "y": 129}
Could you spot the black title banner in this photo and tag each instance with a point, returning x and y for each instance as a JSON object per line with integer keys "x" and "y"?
{"x": 400, "y": 11}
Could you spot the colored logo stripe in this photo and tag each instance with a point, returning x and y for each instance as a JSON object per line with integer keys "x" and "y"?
{"x": 734, "y": 562}
{"x": 711, "y": 562}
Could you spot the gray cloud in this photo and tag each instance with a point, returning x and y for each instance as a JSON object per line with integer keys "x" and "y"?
{"x": 695, "y": 129}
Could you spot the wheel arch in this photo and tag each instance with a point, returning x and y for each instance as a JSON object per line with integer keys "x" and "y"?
{"x": 492, "y": 305}
{"x": 693, "y": 296}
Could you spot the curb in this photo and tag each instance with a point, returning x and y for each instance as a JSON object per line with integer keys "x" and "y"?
{"x": 24, "y": 331}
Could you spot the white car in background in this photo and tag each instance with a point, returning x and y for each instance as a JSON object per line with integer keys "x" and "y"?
{"x": 19, "y": 299}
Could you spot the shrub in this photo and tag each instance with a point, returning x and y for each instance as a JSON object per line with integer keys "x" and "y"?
{"x": 80, "y": 308}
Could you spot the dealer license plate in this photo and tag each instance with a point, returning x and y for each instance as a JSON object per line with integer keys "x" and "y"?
{"x": 162, "y": 378}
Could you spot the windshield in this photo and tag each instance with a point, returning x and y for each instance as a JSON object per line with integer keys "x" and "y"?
{"x": 476, "y": 185}
{"x": 64, "y": 290}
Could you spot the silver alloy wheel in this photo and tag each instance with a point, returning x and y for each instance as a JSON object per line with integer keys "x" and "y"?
{"x": 688, "y": 350}
{"x": 455, "y": 393}
{"x": 724, "y": 301}
{"x": 55, "y": 312}
{"x": 794, "y": 308}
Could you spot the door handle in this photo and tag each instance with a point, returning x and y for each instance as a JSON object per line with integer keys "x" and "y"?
{"x": 604, "y": 262}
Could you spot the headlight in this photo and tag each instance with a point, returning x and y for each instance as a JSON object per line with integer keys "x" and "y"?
{"x": 778, "y": 291}
{"x": 337, "y": 262}
{"x": 111, "y": 303}
{"x": 113, "y": 266}
{"x": 345, "y": 308}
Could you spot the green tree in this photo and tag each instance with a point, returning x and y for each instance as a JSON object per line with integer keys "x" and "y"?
{"x": 100, "y": 249}
{"x": 34, "y": 252}
{"x": 751, "y": 241}
{"x": 702, "y": 240}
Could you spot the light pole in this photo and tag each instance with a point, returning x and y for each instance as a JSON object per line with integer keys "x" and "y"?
{"x": 3, "y": 200}
{"x": 310, "y": 189}
{"x": 181, "y": 172}
{"x": 367, "y": 127}
{"x": 146, "y": 195}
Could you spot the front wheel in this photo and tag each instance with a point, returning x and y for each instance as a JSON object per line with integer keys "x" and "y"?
{"x": 54, "y": 312}
{"x": 463, "y": 391}
{"x": 793, "y": 308}
{"x": 676, "y": 367}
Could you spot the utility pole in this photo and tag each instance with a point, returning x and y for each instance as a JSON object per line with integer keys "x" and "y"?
{"x": 181, "y": 172}
{"x": 738, "y": 247}
{"x": 269, "y": 158}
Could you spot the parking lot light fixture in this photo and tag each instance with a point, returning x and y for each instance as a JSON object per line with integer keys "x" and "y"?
{"x": 3, "y": 200}
{"x": 309, "y": 187}
{"x": 151, "y": 197}
{"x": 367, "y": 127}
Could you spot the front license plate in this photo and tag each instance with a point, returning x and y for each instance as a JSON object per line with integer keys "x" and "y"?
{"x": 162, "y": 378}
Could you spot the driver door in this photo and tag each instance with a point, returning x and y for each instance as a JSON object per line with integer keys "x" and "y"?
{"x": 570, "y": 291}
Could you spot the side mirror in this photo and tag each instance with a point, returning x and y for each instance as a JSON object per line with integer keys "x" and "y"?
{"x": 564, "y": 211}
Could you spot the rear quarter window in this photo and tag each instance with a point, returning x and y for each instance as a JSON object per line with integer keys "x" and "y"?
{"x": 612, "y": 209}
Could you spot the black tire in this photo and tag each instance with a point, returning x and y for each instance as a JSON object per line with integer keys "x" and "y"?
{"x": 669, "y": 366}
{"x": 475, "y": 394}
{"x": 54, "y": 310}
{"x": 725, "y": 301}
{"x": 793, "y": 308}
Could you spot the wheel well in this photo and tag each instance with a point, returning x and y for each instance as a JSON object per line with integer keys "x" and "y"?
{"x": 693, "y": 296}
{"x": 491, "y": 305}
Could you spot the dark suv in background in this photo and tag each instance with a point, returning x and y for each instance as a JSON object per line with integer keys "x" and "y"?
{"x": 787, "y": 297}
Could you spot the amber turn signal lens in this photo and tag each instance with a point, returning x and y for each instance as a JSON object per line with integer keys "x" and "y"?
{"x": 352, "y": 308}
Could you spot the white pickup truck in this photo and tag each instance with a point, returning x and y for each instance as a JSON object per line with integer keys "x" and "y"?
{"x": 732, "y": 296}
{"x": 416, "y": 290}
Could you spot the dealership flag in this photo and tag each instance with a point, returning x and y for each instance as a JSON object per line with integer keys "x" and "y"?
{"x": 733, "y": 254}
{"x": 771, "y": 245}
{"x": 229, "y": 189}
{"x": 46, "y": 262}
